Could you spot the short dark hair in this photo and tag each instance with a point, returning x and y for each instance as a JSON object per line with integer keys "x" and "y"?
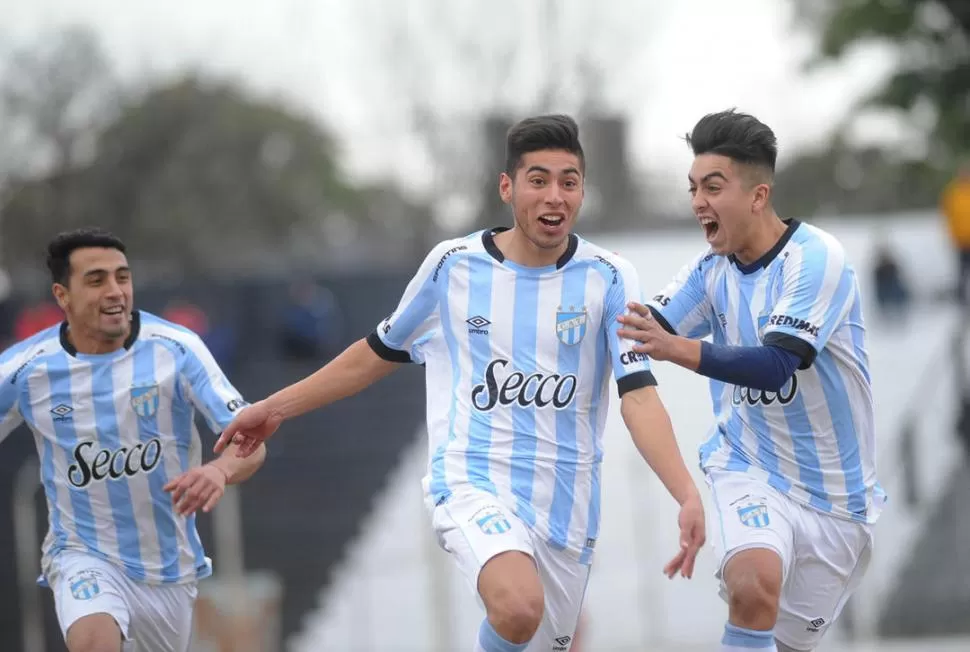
{"x": 738, "y": 136}
{"x": 64, "y": 244}
{"x": 542, "y": 132}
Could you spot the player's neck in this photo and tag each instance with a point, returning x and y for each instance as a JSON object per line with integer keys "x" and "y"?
{"x": 763, "y": 238}
{"x": 516, "y": 247}
{"x": 92, "y": 343}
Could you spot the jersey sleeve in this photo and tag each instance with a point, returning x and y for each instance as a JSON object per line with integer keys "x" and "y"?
{"x": 630, "y": 368}
{"x": 684, "y": 303}
{"x": 816, "y": 293}
{"x": 10, "y": 416}
{"x": 207, "y": 386}
{"x": 401, "y": 336}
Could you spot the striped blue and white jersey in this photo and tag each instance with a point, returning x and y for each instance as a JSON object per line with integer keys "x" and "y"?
{"x": 518, "y": 363}
{"x": 111, "y": 430}
{"x": 814, "y": 439}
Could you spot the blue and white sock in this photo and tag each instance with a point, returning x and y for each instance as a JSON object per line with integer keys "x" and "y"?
{"x": 739, "y": 639}
{"x": 490, "y": 641}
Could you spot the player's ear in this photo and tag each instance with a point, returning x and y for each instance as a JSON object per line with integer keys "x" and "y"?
{"x": 761, "y": 197}
{"x": 60, "y": 295}
{"x": 505, "y": 187}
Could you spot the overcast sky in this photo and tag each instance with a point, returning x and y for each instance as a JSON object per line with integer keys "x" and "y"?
{"x": 671, "y": 61}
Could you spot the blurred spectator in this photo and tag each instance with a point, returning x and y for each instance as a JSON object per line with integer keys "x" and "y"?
{"x": 311, "y": 322}
{"x": 955, "y": 205}
{"x": 35, "y": 318}
{"x": 892, "y": 292}
{"x": 188, "y": 315}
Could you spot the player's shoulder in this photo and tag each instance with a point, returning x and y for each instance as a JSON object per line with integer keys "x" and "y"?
{"x": 816, "y": 245}
{"x": 18, "y": 356}
{"x": 456, "y": 248}
{"x": 157, "y": 330}
{"x": 609, "y": 263}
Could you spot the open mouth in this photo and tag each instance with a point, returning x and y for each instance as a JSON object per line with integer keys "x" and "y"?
{"x": 552, "y": 220}
{"x": 711, "y": 227}
{"x": 113, "y": 311}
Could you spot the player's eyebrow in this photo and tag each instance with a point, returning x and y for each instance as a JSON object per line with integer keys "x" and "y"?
{"x": 708, "y": 177}
{"x": 100, "y": 271}
{"x": 537, "y": 168}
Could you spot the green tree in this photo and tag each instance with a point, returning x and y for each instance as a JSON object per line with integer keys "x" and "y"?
{"x": 196, "y": 172}
{"x": 932, "y": 40}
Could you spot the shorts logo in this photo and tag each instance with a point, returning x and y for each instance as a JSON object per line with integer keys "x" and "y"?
{"x": 144, "y": 400}
{"x": 754, "y": 515}
{"x": 561, "y": 643}
{"x": 84, "y": 585}
{"x": 571, "y": 325}
{"x": 815, "y": 624}
{"x": 493, "y": 522}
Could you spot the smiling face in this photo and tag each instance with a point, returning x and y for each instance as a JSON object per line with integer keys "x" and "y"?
{"x": 97, "y": 297}
{"x": 545, "y": 194}
{"x": 726, "y": 198}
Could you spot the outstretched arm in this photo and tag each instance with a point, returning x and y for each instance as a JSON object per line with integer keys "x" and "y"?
{"x": 649, "y": 425}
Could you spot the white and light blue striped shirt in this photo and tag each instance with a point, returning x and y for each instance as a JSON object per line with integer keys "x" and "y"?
{"x": 517, "y": 370}
{"x": 111, "y": 430}
{"x": 814, "y": 439}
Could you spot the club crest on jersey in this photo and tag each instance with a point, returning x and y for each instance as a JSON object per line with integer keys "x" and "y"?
{"x": 492, "y": 521}
{"x": 571, "y": 324}
{"x": 144, "y": 400}
{"x": 754, "y": 515}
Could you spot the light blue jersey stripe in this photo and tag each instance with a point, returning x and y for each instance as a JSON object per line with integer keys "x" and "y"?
{"x": 119, "y": 496}
{"x": 47, "y": 473}
{"x": 163, "y": 510}
{"x": 60, "y": 386}
{"x": 593, "y": 518}
{"x": 438, "y": 486}
{"x": 480, "y": 426}
{"x": 182, "y": 421}
{"x": 836, "y": 394}
{"x": 573, "y": 294}
{"x": 523, "y": 418}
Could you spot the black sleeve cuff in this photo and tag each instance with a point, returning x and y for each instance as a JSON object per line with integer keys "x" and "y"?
{"x": 635, "y": 380}
{"x": 663, "y": 320}
{"x": 386, "y": 352}
{"x": 796, "y": 345}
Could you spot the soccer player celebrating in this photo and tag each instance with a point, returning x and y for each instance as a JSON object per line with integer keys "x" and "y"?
{"x": 111, "y": 396}
{"x": 517, "y": 329}
{"x": 791, "y": 459}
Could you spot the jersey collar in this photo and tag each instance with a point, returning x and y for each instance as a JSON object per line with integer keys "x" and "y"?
{"x": 488, "y": 240}
{"x": 129, "y": 341}
{"x": 771, "y": 254}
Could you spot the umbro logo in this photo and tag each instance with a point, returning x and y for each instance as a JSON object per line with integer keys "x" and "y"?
{"x": 478, "y": 325}
{"x": 562, "y": 643}
{"x": 62, "y": 412}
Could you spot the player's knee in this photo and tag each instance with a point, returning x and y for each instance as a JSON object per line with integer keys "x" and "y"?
{"x": 516, "y": 615}
{"x": 95, "y": 633}
{"x": 753, "y": 599}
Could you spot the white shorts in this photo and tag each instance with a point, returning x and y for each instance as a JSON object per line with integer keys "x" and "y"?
{"x": 152, "y": 618}
{"x": 823, "y": 557}
{"x": 474, "y": 526}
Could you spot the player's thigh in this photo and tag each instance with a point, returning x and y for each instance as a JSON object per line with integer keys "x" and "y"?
{"x": 564, "y": 582}
{"x": 89, "y": 598}
{"x": 491, "y": 546}
{"x": 832, "y": 556}
{"x": 753, "y": 521}
{"x": 161, "y": 617}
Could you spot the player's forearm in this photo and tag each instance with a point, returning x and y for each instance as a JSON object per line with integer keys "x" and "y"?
{"x": 239, "y": 469}
{"x": 653, "y": 435}
{"x": 350, "y": 372}
{"x": 686, "y": 353}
